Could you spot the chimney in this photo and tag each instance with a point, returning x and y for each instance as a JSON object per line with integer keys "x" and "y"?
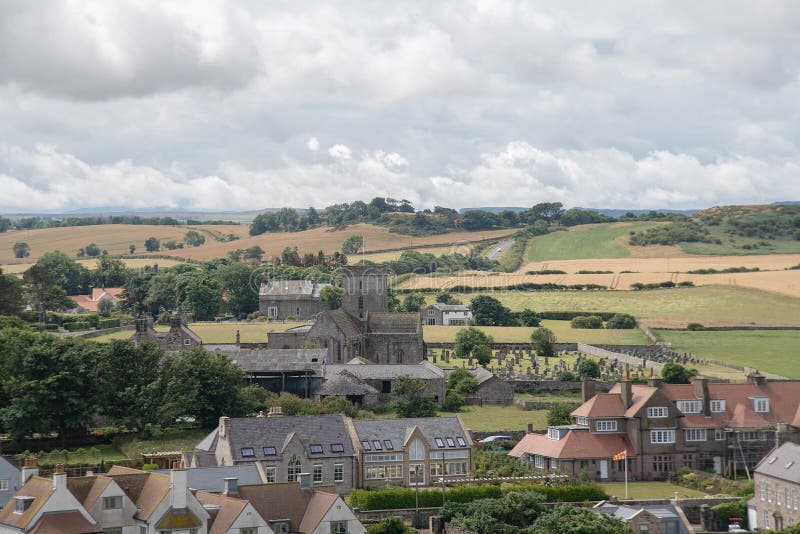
{"x": 529, "y": 428}
{"x": 625, "y": 393}
{"x": 231, "y": 486}
{"x": 757, "y": 378}
{"x": 180, "y": 486}
{"x": 275, "y": 411}
{"x": 30, "y": 469}
{"x": 305, "y": 481}
{"x": 224, "y": 426}
{"x": 587, "y": 388}
{"x": 59, "y": 477}
{"x": 700, "y": 387}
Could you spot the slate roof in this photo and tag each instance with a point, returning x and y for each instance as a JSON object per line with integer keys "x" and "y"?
{"x": 626, "y": 512}
{"x": 482, "y": 375}
{"x": 344, "y": 383}
{"x": 263, "y": 360}
{"x": 212, "y": 479}
{"x": 392, "y": 323}
{"x": 425, "y": 370}
{"x": 291, "y": 289}
{"x": 782, "y": 462}
{"x": 574, "y": 444}
{"x": 259, "y": 432}
{"x": 345, "y": 323}
{"x": 450, "y": 307}
{"x": 397, "y": 430}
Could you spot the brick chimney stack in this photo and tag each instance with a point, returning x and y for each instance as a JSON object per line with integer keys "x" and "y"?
{"x": 626, "y": 393}
{"x": 30, "y": 468}
{"x": 700, "y": 387}
{"x": 587, "y": 388}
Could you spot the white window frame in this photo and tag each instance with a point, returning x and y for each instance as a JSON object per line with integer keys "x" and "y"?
{"x": 695, "y": 434}
{"x": 553, "y": 434}
{"x": 657, "y": 412}
{"x": 416, "y": 450}
{"x": 112, "y": 499}
{"x": 582, "y": 421}
{"x": 4, "y": 484}
{"x": 662, "y": 436}
{"x": 538, "y": 461}
{"x": 553, "y": 464}
{"x": 689, "y": 406}
{"x": 761, "y": 404}
{"x": 718, "y": 405}
{"x": 336, "y": 527}
{"x": 318, "y": 470}
{"x": 606, "y": 425}
{"x": 271, "y": 473}
{"x": 272, "y": 311}
{"x": 719, "y": 434}
{"x": 338, "y": 472}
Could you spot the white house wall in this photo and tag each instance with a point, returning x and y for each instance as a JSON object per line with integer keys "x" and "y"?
{"x": 122, "y": 517}
{"x": 339, "y": 511}
{"x": 249, "y": 518}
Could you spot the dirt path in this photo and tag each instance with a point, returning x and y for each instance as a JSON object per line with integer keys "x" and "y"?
{"x": 498, "y": 249}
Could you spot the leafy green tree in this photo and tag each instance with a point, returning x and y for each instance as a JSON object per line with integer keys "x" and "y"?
{"x": 253, "y": 253}
{"x": 675, "y": 373}
{"x": 110, "y": 272}
{"x": 10, "y": 294}
{"x": 132, "y": 248}
{"x": 462, "y": 380}
{"x": 392, "y": 525}
{"x": 413, "y": 302}
{"x": 73, "y": 277}
{"x": 332, "y": 296}
{"x": 543, "y": 341}
{"x": 236, "y": 281}
{"x": 558, "y": 414}
{"x": 589, "y": 368}
{"x": 445, "y": 297}
{"x": 482, "y": 354}
{"x": 152, "y": 244}
{"x": 528, "y": 317}
{"x": 203, "y": 385}
{"x": 105, "y": 307}
{"x": 203, "y": 296}
{"x": 621, "y": 321}
{"x": 129, "y": 384}
{"x": 21, "y": 250}
{"x": 568, "y": 519}
{"x": 412, "y": 402}
{"x": 91, "y": 250}
{"x": 469, "y": 338}
{"x": 353, "y": 244}
{"x": 488, "y": 311}
{"x": 193, "y": 238}
{"x": 43, "y": 292}
{"x": 334, "y": 405}
{"x": 587, "y": 321}
{"x": 453, "y": 401}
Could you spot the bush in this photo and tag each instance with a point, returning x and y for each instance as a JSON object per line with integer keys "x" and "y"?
{"x": 108, "y": 323}
{"x": 149, "y": 467}
{"x": 76, "y": 326}
{"x": 51, "y": 326}
{"x": 695, "y": 327}
{"x": 622, "y": 321}
{"x": 569, "y": 315}
{"x": 587, "y": 321}
{"x": 453, "y": 401}
{"x": 723, "y": 512}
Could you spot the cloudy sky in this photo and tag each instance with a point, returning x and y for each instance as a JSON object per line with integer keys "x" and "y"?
{"x": 252, "y": 104}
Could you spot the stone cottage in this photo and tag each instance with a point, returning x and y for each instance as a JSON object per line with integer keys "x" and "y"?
{"x": 297, "y": 299}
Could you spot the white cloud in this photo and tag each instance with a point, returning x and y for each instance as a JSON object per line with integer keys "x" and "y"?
{"x": 312, "y": 144}
{"x": 340, "y": 152}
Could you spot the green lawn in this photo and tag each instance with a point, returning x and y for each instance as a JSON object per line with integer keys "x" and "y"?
{"x": 593, "y": 242}
{"x": 709, "y": 305}
{"x": 500, "y": 418}
{"x": 213, "y": 333}
{"x": 562, "y": 329}
{"x": 774, "y": 351}
{"x": 168, "y": 440}
{"x": 649, "y": 490}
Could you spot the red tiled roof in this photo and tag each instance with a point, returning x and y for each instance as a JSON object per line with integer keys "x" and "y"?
{"x": 575, "y": 444}
{"x": 601, "y": 405}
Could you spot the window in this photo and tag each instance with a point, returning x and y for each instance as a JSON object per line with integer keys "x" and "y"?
{"x": 644, "y": 528}
{"x": 270, "y": 451}
{"x": 689, "y": 406}
{"x": 455, "y": 468}
{"x": 187, "y": 342}
{"x": 662, "y": 436}
{"x": 751, "y": 436}
{"x": 393, "y": 471}
{"x": 315, "y": 448}
{"x": 279, "y": 527}
{"x": 450, "y": 442}
{"x": 365, "y": 444}
{"x": 461, "y": 442}
{"x": 387, "y": 444}
{"x": 582, "y": 421}
{"x": 769, "y": 492}
{"x": 142, "y": 530}
{"x": 377, "y": 445}
{"x": 765, "y": 526}
{"x": 787, "y": 500}
{"x": 553, "y": 464}
{"x": 431, "y": 311}
{"x": 761, "y": 404}
{"x": 317, "y": 474}
{"x": 695, "y": 434}
{"x": 337, "y": 448}
{"x": 112, "y": 503}
{"x": 439, "y": 442}
{"x": 293, "y": 469}
{"x": 416, "y": 474}
{"x": 338, "y": 472}
{"x": 538, "y": 461}
{"x": 360, "y": 303}
{"x": 554, "y": 434}
{"x": 416, "y": 451}
{"x": 688, "y": 460}
{"x": 272, "y": 311}
{"x": 248, "y": 452}
{"x": 657, "y": 412}
{"x": 248, "y": 530}
{"x": 4, "y": 484}
{"x": 338, "y": 527}
{"x": 777, "y": 495}
{"x": 717, "y": 405}
{"x": 375, "y": 458}
{"x": 719, "y": 434}
{"x": 606, "y": 426}
{"x": 436, "y": 470}
{"x": 762, "y": 490}
{"x": 271, "y": 472}
{"x": 663, "y": 464}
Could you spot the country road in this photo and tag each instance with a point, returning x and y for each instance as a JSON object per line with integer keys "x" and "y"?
{"x": 498, "y": 249}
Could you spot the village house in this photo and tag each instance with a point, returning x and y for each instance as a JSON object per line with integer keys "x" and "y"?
{"x": 439, "y": 314}
{"x": 662, "y": 427}
{"x": 10, "y": 480}
{"x": 777, "y": 489}
{"x": 491, "y": 389}
{"x": 283, "y": 447}
{"x": 411, "y": 452}
{"x": 91, "y": 303}
{"x": 179, "y": 337}
{"x": 291, "y": 299}
{"x": 647, "y": 518}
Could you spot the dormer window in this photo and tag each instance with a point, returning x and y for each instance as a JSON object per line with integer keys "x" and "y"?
{"x": 22, "y": 503}
{"x": 657, "y": 412}
{"x": 717, "y": 405}
{"x": 582, "y": 421}
{"x": 553, "y": 433}
{"x": 760, "y": 404}
{"x": 689, "y": 406}
{"x": 606, "y": 426}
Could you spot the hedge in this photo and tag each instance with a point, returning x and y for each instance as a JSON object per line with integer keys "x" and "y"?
{"x": 50, "y": 326}
{"x": 108, "y": 323}
{"x": 400, "y": 498}
{"x": 72, "y": 327}
{"x": 569, "y": 315}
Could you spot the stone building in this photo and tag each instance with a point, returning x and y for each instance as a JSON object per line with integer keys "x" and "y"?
{"x": 720, "y": 427}
{"x": 380, "y": 379}
{"x": 297, "y": 299}
{"x": 492, "y": 389}
{"x": 647, "y": 518}
{"x": 777, "y": 490}
{"x": 179, "y": 337}
{"x": 363, "y": 327}
{"x": 446, "y": 314}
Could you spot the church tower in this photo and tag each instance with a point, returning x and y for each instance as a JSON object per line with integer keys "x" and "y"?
{"x": 364, "y": 289}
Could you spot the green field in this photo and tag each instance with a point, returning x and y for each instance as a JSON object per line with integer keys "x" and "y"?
{"x": 733, "y": 244}
{"x": 500, "y": 418}
{"x": 774, "y": 351}
{"x": 649, "y": 490}
{"x": 709, "y": 305}
{"x": 562, "y": 329}
{"x": 593, "y": 242}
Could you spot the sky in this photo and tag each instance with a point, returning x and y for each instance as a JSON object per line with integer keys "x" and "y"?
{"x": 241, "y": 105}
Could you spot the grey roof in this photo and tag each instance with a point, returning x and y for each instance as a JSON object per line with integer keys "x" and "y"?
{"x": 300, "y": 329}
{"x": 782, "y": 462}
{"x": 291, "y": 289}
{"x": 262, "y": 360}
{"x": 392, "y": 323}
{"x": 481, "y": 374}
{"x": 449, "y": 307}
{"x": 345, "y": 383}
{"x": 423, "y": 370}
{"x": 625, "y": 512}
{"x": 346, "y": 324}
{"x": 397, "y": 430}
{"x": 211, "y": 479}
{"x": 208, "y": 442}
{"x": 259, "y": 432}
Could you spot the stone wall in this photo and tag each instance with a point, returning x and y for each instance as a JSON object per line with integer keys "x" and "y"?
{"x": 535, "y": 386}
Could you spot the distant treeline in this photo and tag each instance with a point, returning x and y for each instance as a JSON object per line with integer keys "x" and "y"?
{"x": 32, "y": 223}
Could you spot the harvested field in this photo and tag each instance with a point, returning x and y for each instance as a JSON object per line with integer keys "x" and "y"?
{"x": 461, "y": 248}
{"x": 134, "y": 263}
{"x": 562, "y": 329}
{"x": 215, "y": 333}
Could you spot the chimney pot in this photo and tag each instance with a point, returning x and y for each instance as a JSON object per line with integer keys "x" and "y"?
{"x": 275, "y": 411}
{"x": 31, "y": 461}
{"x": 59, "y": 469}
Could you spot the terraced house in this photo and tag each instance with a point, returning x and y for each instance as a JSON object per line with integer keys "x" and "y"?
{"x": 776, "y": 503}
{"x": 662, "y": 427}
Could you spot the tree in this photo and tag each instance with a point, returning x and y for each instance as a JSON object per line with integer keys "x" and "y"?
{"x": 193, "y": 238}
{"x": 332, "y": 296}
{"x": 589, "y": 368}
{"x": 253, "y": 253}
{"x": 462, "y": 380}
{"x": 43, "y": 292}
{"x": 203, "y": 385}
{"x": 412, "y": 402}
{"x": 91, "y": 250}
{"x": 21, "y": 250}
{"x": 543, "y": 341}
{"x": 568, "y": 519}
{"x": 73, "y": 277}
{"x": 587, "y": 321}
{"x": 413, "y": 302}
{"x": 675, "y": 373}
{"x": 393, "y": 525}
{"x": 488, "y": 311}
{"x": 203, "y": 297}
{"x": 621, "y": 321}
{"x": 236, "y": 281}
{"x": 559, "y": 414}
{"x": 105, "y": 307}
{"x": 353, "y": 244}
{"x": 334, "y": 405}
{"x": 482, "y": 354}
{"x": 110, "y": 272}
{"x": 10, "y": 294}
{"x": 152, "y": 244}
{"x": 469, "y": 338}
{"x": 132, "y": 248}
{"x": 445, "y": 297}
{"x": 549, "y": 211}
{"x": 453, "y": 400}
{"x": 129, "y": 384}
{"x": 528, "y": 317}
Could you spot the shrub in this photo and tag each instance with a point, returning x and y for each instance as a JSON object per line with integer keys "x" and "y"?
{"x": 587, "y": 321}
{"x": 453, "y": 401}
{"x": 76, "y": 326}
{"x": 695, "y": 327}
{"x": 149, "y": 467}
{"x": 723, "y": 512}
{"x": 108, "y": 323}
{"x": 622, "y": 321}
{"x": 51, "y": 326}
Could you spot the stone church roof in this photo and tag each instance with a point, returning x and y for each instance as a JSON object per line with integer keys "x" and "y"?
{"x": 392, "y": 323}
